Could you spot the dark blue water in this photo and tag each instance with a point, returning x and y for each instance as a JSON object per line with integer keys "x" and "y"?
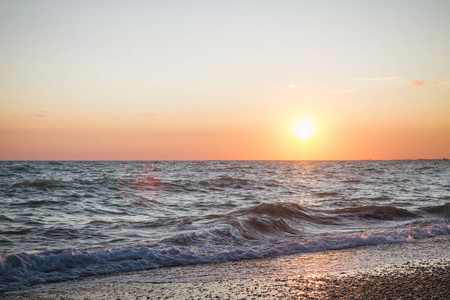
{"x": 63, "y": 220}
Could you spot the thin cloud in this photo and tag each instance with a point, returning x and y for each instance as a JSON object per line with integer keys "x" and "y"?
{"x": 40, "y": 114}
{"x": 417, "y": 82}
{"x": 423, "y": 82}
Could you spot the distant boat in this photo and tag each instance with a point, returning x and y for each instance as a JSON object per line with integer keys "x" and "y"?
{"x": 444, "y": 158}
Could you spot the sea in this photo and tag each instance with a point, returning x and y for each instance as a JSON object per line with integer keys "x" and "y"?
{"x": 60, "y": 221}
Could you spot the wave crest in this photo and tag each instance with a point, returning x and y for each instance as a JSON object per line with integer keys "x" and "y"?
{"x": 41, "y": 183}
{"x": 286, "y": 210}
{"x": 19, "y": 270}
{"x": 440, "y": 210}
{"x": 376, "y": 212}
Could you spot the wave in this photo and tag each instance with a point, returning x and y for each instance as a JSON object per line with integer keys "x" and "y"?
{"x": 292, "y": 210}
{"x": 40, "y": 183}
{"x": 327, "y": 217}
{"x": 225, "y": 181}
{"x": 22, "y": 269}
{"x": 439, "y": 210}
{"x": 5, "y": 218}
{"x": 280, "y": 220}
{"x": 351, "y": 181}
{"x": 265, "y": 228}
{"x": 39, "y": 203}
{"x": 326, "y": 194}
{"x": 376, "y": 212}
{"x": 215, "y": 184}
{"x": 146, "y": 183}
{"x": 277, "y": 220}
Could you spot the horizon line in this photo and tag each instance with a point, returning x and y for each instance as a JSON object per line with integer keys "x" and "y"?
{"x": 206, "y": 160}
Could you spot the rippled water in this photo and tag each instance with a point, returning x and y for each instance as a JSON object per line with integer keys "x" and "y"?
{"x": 62, "y": 220}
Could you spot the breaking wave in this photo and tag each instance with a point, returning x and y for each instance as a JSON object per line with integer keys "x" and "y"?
{"x": 22, "y": 269}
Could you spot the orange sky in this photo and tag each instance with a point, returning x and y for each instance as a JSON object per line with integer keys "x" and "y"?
{"x": 206, "y": 81}
{"x": 260, "y": 134}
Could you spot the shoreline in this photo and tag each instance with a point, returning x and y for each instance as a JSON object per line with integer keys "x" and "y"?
{"x": 425, "y": 281}
{"x": 417, "y": 269}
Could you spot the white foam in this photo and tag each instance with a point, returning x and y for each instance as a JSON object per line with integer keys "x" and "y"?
{"x": 19, "y": 270}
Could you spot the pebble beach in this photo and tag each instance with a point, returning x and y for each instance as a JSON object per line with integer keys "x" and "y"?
{"x": 358, "y": 273}
{"x": 405, "y": 282}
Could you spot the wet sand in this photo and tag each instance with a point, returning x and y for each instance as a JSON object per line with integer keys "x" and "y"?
{"x": 420, "y": 270}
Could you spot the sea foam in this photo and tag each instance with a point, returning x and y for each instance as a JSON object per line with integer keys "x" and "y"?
{"x": 23, "y": 269}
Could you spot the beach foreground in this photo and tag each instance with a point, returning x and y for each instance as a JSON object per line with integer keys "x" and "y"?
{"x": 405, "y": 282}
{"x": 419, "y": 270}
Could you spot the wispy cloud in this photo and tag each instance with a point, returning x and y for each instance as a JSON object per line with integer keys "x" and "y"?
{"x": 418, "y": 82}
{"x": 40, "y": 114}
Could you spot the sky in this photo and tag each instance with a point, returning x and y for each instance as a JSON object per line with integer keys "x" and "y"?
{"x": 224, "y": 80}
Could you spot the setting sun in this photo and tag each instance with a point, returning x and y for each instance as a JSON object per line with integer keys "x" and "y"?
{"x": 212, "y": 80}
{"x": 304, "y": 129}
{"x": 126, "y": 126}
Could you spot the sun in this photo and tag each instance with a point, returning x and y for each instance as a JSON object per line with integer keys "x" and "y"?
{"x": 304, "y": 128}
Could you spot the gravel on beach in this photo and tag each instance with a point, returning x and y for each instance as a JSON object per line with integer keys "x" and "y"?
{"x": 407, "y": 281}
{"x": 399, "y": 282}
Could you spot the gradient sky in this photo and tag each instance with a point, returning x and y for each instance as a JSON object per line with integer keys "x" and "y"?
{"x": 183, "y": 80}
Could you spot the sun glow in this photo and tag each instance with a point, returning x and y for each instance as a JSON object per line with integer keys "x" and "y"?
{"x": 304, "y": 129}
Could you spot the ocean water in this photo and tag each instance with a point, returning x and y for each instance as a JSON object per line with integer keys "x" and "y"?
{"x": 65, "y": 220}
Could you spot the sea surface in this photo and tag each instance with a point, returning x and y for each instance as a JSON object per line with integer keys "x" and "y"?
{"x": 65, "y": 220}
